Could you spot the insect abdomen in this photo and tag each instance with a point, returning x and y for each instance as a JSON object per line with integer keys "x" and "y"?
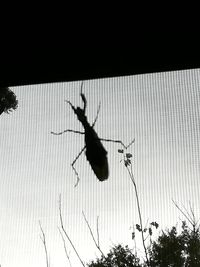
{"x": 96, "y": 155}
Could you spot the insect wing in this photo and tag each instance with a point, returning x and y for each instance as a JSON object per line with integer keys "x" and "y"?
{"x": 101, "y": 170}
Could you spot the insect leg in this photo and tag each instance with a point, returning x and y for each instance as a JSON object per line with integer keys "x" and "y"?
{"x": 68, "y": 130}
{"x": 118, "y": 141}
{"x": 75, "y": 162}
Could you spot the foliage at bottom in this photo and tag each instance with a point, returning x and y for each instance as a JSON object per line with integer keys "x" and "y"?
{"x": 170, "y": 249}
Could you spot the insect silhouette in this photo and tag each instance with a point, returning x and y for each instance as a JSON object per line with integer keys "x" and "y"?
{"x": 95, "y": 152}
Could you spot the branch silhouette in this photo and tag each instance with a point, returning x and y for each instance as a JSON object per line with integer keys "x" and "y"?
{"x": 92, "y": 235}
{"x": 65, "y": 233}
{"x": 128, "y": 165}
{"x": 43, "y": 238}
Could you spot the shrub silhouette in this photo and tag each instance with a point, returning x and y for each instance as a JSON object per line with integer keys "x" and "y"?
{"x": 118, "y": 256}
{"x": 170, "y": 249}
{"x": 8, "y": 101}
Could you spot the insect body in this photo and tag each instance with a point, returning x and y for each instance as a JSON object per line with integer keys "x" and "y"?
{"x": 95, "y": 152}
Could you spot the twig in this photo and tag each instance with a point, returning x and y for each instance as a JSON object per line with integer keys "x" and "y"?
{"x": 98, "y": 231}
{"x": 189, "y": 215}
{"x": 195, "y": 227}
{"x": 191, "y": 218}
{"x": 64, "y": 231}
{"x": 67, "y": 255}
{"x": 186, "y": 216}
{"x": 92, "y": 235}
{"x": 44, "y": 243}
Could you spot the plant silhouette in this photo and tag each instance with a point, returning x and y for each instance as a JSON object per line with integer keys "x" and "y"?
{"x": 8, "y": 100}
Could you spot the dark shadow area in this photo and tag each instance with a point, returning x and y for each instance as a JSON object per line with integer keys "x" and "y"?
{"x": 46, "y": 65}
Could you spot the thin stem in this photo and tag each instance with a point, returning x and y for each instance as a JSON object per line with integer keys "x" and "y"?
{"x": 92, "y": 235}
{"x": 191, "y": 218}
{"x": 67, "y": 255}
{"x": 98, "y": 231}
{"x": 195, "y": 228}
{"x": 182, "y": 212}
{"x": 64, "y": 231}
{"x": 139, "y": 210}
{"x": 43, "y": 238}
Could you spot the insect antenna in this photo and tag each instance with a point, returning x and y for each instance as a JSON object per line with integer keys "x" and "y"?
{"x": 74, "y": 109}
{"x": 96, "y": 115}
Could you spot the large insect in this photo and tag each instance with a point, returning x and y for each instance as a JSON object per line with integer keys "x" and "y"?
{"x": 95, "y": 151}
